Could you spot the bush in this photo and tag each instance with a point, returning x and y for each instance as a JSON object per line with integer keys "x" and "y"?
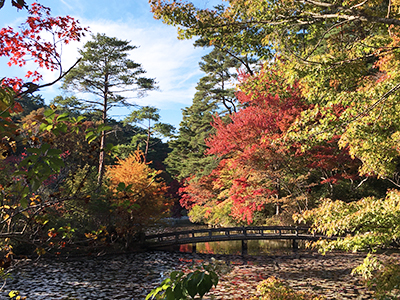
{"x": 137, "y": 194}
{"x": 382, "y": 278}
{"x": 276, "y": 289}
{"x": 199, "y": 281}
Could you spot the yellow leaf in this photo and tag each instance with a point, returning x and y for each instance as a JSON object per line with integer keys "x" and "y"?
{"x": 12, "y": 294}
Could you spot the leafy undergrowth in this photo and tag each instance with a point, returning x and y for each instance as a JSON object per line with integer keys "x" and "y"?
{"x": 277, "y": 289}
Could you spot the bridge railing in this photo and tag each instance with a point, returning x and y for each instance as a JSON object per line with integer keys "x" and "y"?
{"x": 227, "y": 231}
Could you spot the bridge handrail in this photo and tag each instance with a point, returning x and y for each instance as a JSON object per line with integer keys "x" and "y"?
{"x": 243, "y": 230}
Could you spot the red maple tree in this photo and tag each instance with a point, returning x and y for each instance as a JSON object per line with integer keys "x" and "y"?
{"x": 261, "y": 166}
{"x": 28, "y": 43}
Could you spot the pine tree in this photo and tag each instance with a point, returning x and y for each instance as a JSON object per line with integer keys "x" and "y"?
{"x": 106, "y": 72}
{"x": 215, "y": 94}
{"x": 148, "y": 118}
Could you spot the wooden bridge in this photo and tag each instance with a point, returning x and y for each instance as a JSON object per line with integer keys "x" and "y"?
{"x": 244, "y": 234}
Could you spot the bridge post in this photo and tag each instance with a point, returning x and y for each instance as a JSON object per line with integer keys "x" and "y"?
{"x": 295, "y": 245}
{"x": 194, "y": 247}
{"x": 244, "y": 247}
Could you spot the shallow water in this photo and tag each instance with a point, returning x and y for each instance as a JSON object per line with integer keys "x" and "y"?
{"x": 109, "y": 277}
{"x": 133, "y": 276}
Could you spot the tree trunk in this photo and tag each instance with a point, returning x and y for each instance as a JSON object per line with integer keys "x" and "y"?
{"x": 101, "y": 160}
{"x": 103, "y": 136}
{"x": 147, "y": 142}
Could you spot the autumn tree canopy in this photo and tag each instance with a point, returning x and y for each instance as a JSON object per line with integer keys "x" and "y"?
{"x": 138, "y": 193}
{"x": 344, "y": 56}
{"x": 259, "y": 166}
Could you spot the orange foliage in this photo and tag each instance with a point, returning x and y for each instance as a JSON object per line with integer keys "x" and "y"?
{"x": 142, "y": 200}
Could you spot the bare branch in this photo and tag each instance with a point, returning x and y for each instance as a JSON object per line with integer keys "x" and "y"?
{"x": 34, "y": 87}
{"x": 238, "y": 58}
{"x": 321, "y": 4}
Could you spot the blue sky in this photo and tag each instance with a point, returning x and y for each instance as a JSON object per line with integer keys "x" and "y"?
{"x": 174, "y": 63}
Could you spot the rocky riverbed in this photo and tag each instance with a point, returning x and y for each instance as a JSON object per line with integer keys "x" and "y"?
{"x": 132, "y": 276}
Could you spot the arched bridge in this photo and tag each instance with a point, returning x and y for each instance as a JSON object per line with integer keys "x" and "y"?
{"x": 244, "y": 234}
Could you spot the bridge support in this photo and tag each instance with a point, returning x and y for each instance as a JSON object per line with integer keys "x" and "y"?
{"x": 194, "y": 248}
{"x": 244, "y": 247}
{"x": 295, "y": 245}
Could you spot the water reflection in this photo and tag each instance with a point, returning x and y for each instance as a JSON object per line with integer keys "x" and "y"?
{"x": 254, "y": 247}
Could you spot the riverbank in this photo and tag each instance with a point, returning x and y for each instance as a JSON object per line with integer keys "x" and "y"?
{"x": 132, "y": 276}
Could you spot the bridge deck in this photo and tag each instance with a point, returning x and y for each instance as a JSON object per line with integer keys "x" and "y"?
{"x": 230, "y": 234}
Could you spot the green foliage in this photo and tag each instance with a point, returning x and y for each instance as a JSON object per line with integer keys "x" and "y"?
{"x": 347, "y": 66}
{"x": 381, "y": 277}
{"x": 369, "y": 223}
{"x": 69, "y": 104}
{"x": 148, "y": 118}
{"x": 8, "y": 130}
{"x": 219, "y": 214}
{"x": 96, "y": 75}
{"x": 368, "y": 267}
{"x": 386, "y": 283}
{"x": 276, "y": 289}
{"x": 28, "y": 103}
{"x": 181, "y": 286}
{"x": 213, "y": 95}
{"x": 95, "y": 133}
{"x": 106, "y": 72}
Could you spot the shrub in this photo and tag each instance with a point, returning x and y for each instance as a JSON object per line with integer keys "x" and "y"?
{"x": 137, "y": 194}
{"x": 276, "y": 289}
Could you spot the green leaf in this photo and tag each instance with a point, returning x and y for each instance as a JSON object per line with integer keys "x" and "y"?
{"x": 62, "y": 127}
{"x": 192, "y": 283}
{"x": 33, "y": 150}
{"x": 52, "y": 152}
{"x": 121, "y": 187}
{"x": 48, "y": 112}
{"x": 178, "y": 291}
{"x": 174, "y": 275}
{"x": 42, "y": 126}
{"x": 102, "y": 128}
{"x": 25, "y": 192}
{"x": 56, "y": 163}
{"x": 24, "y": 202}
{"x": 45, "y": 147}
{"x": 35, "y": 183}
{"x": 89, "y": 134}
{"x": 80, "y": 118}
{"x": 169, "y": 294}
{"x": 62, "y": 117}
{"x": 110, "y": 147}
{"x": 205, "y": 285}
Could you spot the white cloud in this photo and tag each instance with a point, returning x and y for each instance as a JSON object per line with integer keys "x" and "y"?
{"x": 172, "y": 62}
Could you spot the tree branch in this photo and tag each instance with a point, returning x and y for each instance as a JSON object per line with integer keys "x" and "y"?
{"x": 34, "y": 87}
